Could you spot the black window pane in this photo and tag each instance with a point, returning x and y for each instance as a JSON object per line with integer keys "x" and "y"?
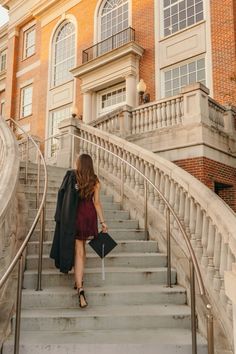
{"x": 190, "y": 3}
{"x": 175, "y": 28}
{"x": 167, "y": 22}
{"x": 190, "y": 11}
{"x": 167, "y": 13}
{"x": 199, "y": 7}
{"x": 190, "y": 21}
{"x": 182, "y": 24}
{"x": 182, "y": 15}
{"x": 173, "y": 1}
{"x": 167, "y": 32}
{"x": 174, "y": 19}
{"x": 192, "y": 67}
{"x": 182, "y": 5}
{"x": 174, "y": 10}
{"x": 175, "y": 72}
{"x": 166, "y": 3}
{"x": 167, "y": 75}
{"x": 199, "y": 17}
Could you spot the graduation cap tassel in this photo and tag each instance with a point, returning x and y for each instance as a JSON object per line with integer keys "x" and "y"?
{"x": 103, "y": 261}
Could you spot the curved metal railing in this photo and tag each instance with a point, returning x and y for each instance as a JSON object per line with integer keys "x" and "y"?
{"x": 194, "y": 266}
{"x": 18, "y": 258}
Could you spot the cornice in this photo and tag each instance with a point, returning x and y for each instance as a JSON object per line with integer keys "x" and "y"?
{"x": 44, "y": 5}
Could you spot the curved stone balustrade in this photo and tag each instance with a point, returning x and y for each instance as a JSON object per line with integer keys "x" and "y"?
{"x": 216, "y": 113}
{"x": 210, "y": 223}
{"x": 9, "y": 168}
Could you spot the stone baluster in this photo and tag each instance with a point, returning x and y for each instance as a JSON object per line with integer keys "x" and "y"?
{"x": 152, "y": 179}
{"x": 136, "y": 176}
{"x": 181, "y": 204}
{"x": 216, "y": 261}
{"x": 205, "y": 227}
{"x": 179, "y": 102}
{"x": 138, "y": 122}
{"x": 154, "y": 116}
{"x": 173, "y": 112}
{"x": 115, "y": 160}
{"x": 146, "y": 120}
{"x": 162, "y": 190}
{"x": 159, "y": 116}
{"x": 151, "y": 117}
{"x": 223, "y": 267}
{"x": 106, "y": 156}
{"x": 157, "y": 184}
{"x": 187, "y": 213}
{"x": 168, "y": 113}
{"x": 230, "y": 261}
{"x": 141, "y": 126}
{"x": 134, "y": 122}
{"x": 127, "y": 169}
{"x": 119, "y": 152}
{"x": 210, "y": 251}
{"x": 132, "y": 172}
{"x": 102, "y": 154}
{"x": 192, "y": 223}
{"x": 163, "y": 114}
{"x": 198, "y": 232}
{"x": 141, "y": 181}
{"x": 167, "y": 188}
{"x": 110, "y": 158}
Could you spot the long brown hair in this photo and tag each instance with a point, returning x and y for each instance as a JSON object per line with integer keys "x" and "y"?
{"x": 86, "y": 178}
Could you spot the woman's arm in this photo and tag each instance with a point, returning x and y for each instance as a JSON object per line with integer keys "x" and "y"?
{"x": 98, "y": 206}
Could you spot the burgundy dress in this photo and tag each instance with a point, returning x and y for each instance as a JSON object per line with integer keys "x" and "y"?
{"x": 86, "y": 220}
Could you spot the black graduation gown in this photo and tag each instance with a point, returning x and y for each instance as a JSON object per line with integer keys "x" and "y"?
{"x": 63, "y": 246}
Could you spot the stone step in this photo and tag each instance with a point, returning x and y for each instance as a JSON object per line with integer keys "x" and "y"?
{"x": 52, "y": 205}
{"x": 52, "y": 196}
{"x": 136, "y": 341}
{"x": 108, "y": 214}
{"x": 93, "y": 277}
{"x": 111, "y": 260}
{"x": 116, "y": 233}
{"x": 111, "y": 223}
{"x": 103, "y": 317}
{"x": 51, "y": 189}
{"x": 127, "y": 246}
{"x": 106, "y": 296}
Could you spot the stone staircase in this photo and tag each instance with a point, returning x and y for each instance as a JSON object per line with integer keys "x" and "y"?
{"x": 131, "y": 311}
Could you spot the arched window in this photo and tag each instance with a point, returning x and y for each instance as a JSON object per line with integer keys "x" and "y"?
{"x": 63, "y": 53}
{"x": 114, "y": 17}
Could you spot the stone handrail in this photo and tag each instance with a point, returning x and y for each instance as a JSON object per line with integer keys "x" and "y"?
{"x": 210, "y": 223}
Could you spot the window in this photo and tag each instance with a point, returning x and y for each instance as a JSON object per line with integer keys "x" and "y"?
{"x": 29, "y": 42}
{"x": 179, "y": 14}
{"x": 112, "y": 98}
{"x": 3, "y": 60}
{"x": 26, "y": 101}
{"x": 56, "y": 117}
{"x": 183, "y": 75}
{"x": 2, "y": 109}
{"x": 114, "y": 18}
{"x": 63, "y": 53}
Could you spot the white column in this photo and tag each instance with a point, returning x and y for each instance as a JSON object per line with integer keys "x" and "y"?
{"x": 230, "y": 289}
{"x": 131, "y": 92}
{"x": 87, "y": 106}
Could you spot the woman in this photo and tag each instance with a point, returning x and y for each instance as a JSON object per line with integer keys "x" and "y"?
{"x": 89, "y": 207}
{"x": 78, "y": 206}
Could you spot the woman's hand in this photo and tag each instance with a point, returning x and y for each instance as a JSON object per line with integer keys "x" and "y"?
{"x": 104, "y": 227}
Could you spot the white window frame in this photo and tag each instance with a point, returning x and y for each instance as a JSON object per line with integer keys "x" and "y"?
{"x": 111, "y": 89}
{"x": 50, "y": 128}
{"x": 22, "y": 98}
{"x": 25, "y": 47}
{"x": 3, "y": 53}
{"x": 179, "y": 30}
{"x": 53, "y": 65}
{"x": 184, "y": 62}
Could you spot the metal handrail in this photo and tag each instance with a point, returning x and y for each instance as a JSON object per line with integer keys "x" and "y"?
{"x": 85, "y": 53}
{"x": 194, "y": 267}
{"x": 19, "y": 255}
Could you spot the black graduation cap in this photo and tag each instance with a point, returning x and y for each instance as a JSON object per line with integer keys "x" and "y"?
{"x": 103, "y": 245}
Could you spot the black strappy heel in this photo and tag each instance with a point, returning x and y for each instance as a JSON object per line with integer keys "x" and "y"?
{"x": 75, "y": 286}
{"x": 80, "y": 294}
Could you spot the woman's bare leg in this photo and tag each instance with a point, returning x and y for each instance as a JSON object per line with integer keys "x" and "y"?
{"x": 80, "y": 256}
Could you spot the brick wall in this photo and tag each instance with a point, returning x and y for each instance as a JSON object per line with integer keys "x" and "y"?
{"x": 223, "y": 29}
{"x": 143, "y": 23}
{"x": 210, "y": 172}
